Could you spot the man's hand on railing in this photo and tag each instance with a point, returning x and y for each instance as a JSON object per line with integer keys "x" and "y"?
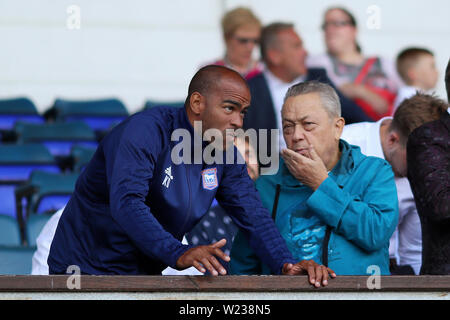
{"x": 317, "y": 273}
{"x": 202, "y": 257}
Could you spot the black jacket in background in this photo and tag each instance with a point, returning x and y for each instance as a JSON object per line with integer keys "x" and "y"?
{"x": 428, "y": 154}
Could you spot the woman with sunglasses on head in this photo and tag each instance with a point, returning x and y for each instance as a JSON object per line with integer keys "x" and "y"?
{"x": 241, "y": 31}
{"x": 372, "y": 82}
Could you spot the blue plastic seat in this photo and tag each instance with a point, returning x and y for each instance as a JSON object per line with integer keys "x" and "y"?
{"x": 99, "y": 115}
{"x": 152, "y": 104}
{"x": 17, "y": 162}
{"x": 8, "y": 203}
{"x": 35, "y": 224}
{"x": 45, "y": 193}
{"x": 57, "y": 137}
{"x": 9, "y": 231}
{"x": 18, "y": 109}
{"x": 16, "y": 260}
{"x": 81, "y": 156}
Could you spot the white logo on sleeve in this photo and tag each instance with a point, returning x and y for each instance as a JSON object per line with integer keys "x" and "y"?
{"x": 168, "y": 178}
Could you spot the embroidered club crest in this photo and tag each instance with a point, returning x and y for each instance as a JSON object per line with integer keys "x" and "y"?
{"x": 209, "y": 179}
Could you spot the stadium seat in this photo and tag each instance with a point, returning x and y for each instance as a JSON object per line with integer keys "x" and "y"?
{"x": 9, "y": 231}
{"x": 57, "y": 137}
{"x": 17, "y": 161}
{"x": 45, "y": 193}
{"x": 81, "y": 155}
{"x": 152, "y": 104}
{"x": 16, "y": 164}
{"x": 34, "y": 226}
{"x": 99, "y": 115}
{"x": 15, "y": 260}
{"x": 18, "y": 109}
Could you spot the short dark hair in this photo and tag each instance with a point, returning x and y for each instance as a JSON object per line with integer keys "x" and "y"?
{"x": 416, "y": 111}
{"x": 347, "y": 13}
{"x": 407, "y": 58}
{"x": 269, "y": 36}
{"x": 352, "y": 21}
{"x": 208, "y": 78}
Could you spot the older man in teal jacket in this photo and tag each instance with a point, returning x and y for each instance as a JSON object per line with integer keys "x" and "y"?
{"x": 331, "y": 203}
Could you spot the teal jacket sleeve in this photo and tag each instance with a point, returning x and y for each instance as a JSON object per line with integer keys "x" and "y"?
{"x": 369, "y": 220}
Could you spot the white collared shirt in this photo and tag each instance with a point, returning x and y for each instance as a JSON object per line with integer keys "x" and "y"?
{"x": 278, "y": 89}
{"x": 406, "y": 242}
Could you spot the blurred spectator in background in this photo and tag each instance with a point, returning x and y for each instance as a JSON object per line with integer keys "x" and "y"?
{"x": 371, "y": 82}
{"x": 284, "y": 55}
{"x": 387, "y": 139}
{"x": 428, "y": 153}
{"x": 417, "y": 68}
{"x": 241, "y": 32}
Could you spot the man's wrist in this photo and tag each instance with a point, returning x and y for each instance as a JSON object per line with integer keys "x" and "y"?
{"x": 318, "y": 182}
{"x": 178, "y": 254}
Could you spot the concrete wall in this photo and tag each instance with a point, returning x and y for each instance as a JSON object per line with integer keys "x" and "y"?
{"x": 138, "y": 50}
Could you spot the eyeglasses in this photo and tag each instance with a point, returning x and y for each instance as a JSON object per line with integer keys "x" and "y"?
{"x": 336, "y": 24}
{"x": 247, "y": 40}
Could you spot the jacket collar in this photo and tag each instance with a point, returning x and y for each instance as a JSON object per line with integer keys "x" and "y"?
{"x": 183, "y": 120}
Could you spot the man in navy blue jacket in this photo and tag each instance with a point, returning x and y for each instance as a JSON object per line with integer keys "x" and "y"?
{"x": 284, "y": 56}
{"x": 132, "y": 204}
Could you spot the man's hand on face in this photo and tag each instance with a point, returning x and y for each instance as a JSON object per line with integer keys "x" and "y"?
{"x": 317, "y": 273}
{"x": 309, "y": 169}
{"x": 202, "y": 257}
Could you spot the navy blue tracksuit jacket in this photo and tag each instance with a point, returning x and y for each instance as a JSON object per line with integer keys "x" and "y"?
{"x": 132, "y": 205}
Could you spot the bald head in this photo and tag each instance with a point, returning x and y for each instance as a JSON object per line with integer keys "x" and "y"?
{"x": 209, "y": 79}
{"x": 219, "y": 98}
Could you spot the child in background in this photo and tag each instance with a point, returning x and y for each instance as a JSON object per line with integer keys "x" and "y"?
{"x": 417, "y": 68}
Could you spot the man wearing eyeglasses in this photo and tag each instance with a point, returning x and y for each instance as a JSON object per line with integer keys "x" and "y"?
{"x": 370, "y": 81}
{"x": 241, "y": 30}
{"x": 284, "y": 56}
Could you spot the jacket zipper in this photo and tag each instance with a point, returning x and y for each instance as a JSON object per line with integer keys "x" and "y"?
{"x": 275, "y": 203}
{"x": 190, "y": 199}
{"x": 326, "y": 241}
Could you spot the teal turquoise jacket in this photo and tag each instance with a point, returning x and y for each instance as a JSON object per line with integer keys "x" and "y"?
{"x": 352, "y": 215}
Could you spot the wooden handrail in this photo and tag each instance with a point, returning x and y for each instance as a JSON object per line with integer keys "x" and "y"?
{"x": 28, "y": 283}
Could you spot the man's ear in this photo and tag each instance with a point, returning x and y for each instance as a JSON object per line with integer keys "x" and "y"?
{"x": 339, "y": 123}
{"x": 393, "y": 138}
{"x": 197, "y": 103}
